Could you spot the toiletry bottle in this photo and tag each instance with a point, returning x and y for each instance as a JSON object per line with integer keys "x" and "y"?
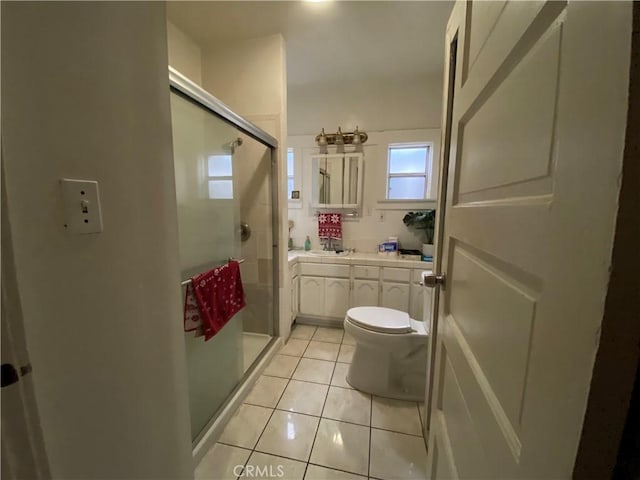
{"x": 307, "y": 244}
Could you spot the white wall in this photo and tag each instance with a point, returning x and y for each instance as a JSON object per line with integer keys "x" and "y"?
{"x": 367, "y": 231}
{"x": 374, "y": 105}
{"x": 184, "y": 54}
{"x": 85, "y": 95}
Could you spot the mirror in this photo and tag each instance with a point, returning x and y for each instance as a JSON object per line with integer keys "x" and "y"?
{"x": 337, "y": 180}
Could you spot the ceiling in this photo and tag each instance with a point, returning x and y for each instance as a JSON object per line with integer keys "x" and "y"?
{"x": 329, "y": 42}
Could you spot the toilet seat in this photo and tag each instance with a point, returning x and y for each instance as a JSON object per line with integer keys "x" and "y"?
{"x": 380, "y": 319}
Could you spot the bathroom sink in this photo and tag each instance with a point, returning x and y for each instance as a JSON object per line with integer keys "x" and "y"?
{"x": 327, "y": 253}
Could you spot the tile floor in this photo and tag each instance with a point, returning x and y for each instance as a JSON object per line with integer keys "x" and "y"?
{"x": 302, "y": 420}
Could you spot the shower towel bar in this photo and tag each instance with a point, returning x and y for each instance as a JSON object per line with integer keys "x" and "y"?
{"x": 188, "y": 281}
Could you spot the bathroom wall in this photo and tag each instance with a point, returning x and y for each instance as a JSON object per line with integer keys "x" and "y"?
{"x": 185, "y": 55}
{"x": 395, "y": 103}
{"x": 84, "y": 95}
{"x": 377, "y": 220}
{"x": 391, "y": 110}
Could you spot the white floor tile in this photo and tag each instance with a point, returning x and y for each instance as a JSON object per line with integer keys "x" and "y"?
{"x": 246, "y": 425}
{"x": 294, "y": 347}
{"x": 261, "y": 465}
{"x": 314, "y": 472}
{"x": 310, "y": 370}
{"x": 407, "y": 459}
{"x": 281, "y": 366}
{"x": 339, "y": 378}
{"x": 222, "y": 462}
{"x": 267, "y": 391}
{"x": 289, "y": 435}
{"x": 332, "y": 335}
{"x": 322, "y": 351}
{"x": 348, "y": 405}
{"x": 303, "y": 332}
{"x": 343, "y": 446}
{"x": 346, "y": 353}
{"x": 396, "y": 415}
{"x": 303, "y": 397}
{"x": 347, "y": 339}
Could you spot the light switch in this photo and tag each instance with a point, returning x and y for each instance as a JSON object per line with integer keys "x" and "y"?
{"x": 81, "y": 205}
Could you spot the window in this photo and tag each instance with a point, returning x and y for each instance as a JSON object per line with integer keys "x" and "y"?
{"x": 408, "y": 170}
{"x": 220, "y": 177}
{"x": 290, "y": 172}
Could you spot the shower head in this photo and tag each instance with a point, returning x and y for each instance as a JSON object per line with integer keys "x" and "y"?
{"x": 233, "y": 144}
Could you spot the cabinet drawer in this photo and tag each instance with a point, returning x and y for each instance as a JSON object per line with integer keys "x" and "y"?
{"x": 367, "y": 272}
{"x": 321, "y": 270}
{"x": 417, "y": 275}
{"x": 396, "y": 274}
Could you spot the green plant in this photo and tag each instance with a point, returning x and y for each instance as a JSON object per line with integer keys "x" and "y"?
{"x": 422, "y": 220}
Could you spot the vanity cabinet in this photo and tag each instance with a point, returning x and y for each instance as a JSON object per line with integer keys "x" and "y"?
{"x": 295, "y": 291}
{"x": 329, "y": 290}
{"x": 324, "y": 290}
{"x": 336, "y": 293}
{"x": 311, "y": 296}
{"x": 365, "y": 293}
{"x": 395, "y": 295}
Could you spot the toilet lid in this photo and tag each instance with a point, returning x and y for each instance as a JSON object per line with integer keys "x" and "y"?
{"x": 380, "y": 319}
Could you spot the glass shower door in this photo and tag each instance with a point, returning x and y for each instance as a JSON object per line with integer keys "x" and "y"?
{"x": 222, "y": 183}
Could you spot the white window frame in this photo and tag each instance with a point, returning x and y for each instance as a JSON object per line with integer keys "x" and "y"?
{"x": 427, "y": 173}
{"x": 209, "y": 178}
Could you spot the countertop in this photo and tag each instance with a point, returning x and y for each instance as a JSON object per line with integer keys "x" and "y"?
{"x": 358, "y": 258}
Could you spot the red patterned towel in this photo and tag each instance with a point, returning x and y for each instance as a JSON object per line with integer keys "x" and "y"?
{"x": 218, "y": 295}
{"x": 330, "y": 225}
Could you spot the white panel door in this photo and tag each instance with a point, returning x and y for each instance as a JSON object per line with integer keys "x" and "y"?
{"x": 336, "y": 292}
{"x": 534, "y": 132}
{"x": 365, "y": 293}
{"x": 395, "y": 295}
{"x": 311, "y": 296}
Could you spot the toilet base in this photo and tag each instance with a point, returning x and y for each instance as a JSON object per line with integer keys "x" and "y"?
{"x": 399, "y": 375}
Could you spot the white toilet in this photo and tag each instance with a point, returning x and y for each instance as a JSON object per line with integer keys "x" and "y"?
{"x": 390, "y": 357}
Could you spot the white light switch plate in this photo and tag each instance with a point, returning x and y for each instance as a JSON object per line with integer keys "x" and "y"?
{"x": 81, "y": 205}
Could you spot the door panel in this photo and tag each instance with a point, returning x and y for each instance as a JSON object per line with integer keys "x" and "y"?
{"x": 529, "y": 196}
{"x": 311, "y": 295}
{"x": 365, "y": 293}
{"x": 395, "y": 295}
{"x": 336, "y": 297}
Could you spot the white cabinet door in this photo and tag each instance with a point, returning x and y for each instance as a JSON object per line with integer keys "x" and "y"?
{"x": 311, "y": 296}
{"x": 396, "y": 295}
{"x": 296, "y": 296}
{"x": 336, "y": 297}
{"x": 417, "y": 301}
{"x": 365, "y": 293}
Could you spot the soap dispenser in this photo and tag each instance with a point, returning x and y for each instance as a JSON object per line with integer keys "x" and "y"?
{"x": 307, "y": 244}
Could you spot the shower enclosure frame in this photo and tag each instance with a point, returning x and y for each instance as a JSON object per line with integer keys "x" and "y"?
{"x": 181, "y": 85}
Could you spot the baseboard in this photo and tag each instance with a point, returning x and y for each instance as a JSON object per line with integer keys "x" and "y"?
{"x": 320, "y": 321}
{"x": 216, "y": 428}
